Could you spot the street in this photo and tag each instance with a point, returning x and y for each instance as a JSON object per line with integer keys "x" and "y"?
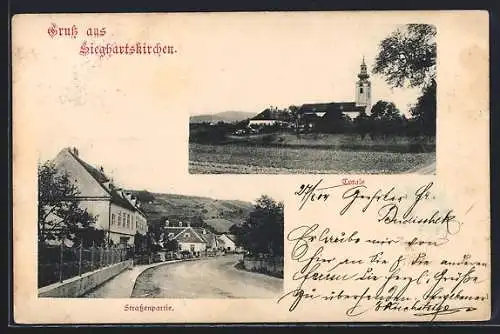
{"x": 214, "y": 277}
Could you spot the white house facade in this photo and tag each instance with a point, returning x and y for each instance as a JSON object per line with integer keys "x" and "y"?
{"x": 116, "y": 212}
{"x": 227, "y": 242}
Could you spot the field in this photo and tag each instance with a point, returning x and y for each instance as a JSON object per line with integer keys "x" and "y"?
{"x": 221, "y": 225}
{"x": 220, "y": 214}
{"x": 236, "y": 158}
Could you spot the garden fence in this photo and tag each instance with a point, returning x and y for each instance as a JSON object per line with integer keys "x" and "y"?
{"x": 59, "y": 263}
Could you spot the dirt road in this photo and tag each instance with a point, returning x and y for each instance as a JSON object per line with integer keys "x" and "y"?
{"x": 207, "y": 278}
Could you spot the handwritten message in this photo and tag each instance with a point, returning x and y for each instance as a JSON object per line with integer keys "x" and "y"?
{"x": 396, "y": 264}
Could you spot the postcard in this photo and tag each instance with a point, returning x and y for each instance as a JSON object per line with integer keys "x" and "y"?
{"x": 253, "y": 167}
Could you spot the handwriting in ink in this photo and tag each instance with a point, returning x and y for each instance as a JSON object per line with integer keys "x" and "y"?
{"x": 311, "y": 193}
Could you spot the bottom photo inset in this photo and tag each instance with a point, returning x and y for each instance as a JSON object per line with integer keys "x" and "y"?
{"x": 99, "y": 240}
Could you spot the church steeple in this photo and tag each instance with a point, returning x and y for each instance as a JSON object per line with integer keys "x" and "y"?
{"x": 363, "y": 88}
{"x": 363, "y": 74}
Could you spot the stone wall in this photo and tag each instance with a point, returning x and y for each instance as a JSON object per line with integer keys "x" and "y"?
{"x": 79, "y": 285}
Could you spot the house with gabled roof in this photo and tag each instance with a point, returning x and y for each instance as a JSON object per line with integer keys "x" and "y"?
{"x": 269, "y": 117}
{"x": 187, "y": 238}
{"x": 196, "y": 240}
{"x": 209, "y": 237}
{"x": 227, "y": 242}
{"x": 117, "y": 212}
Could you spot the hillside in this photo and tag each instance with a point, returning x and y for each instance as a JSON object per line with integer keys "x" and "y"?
{"x": 226, "y": 116}
{"x": 220, "y": 214}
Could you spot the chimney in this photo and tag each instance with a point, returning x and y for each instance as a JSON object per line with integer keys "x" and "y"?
{"x": 75, "y": 151}
{"x": 204, "y": 231}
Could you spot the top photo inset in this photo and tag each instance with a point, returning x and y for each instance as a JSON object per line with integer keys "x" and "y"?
{"x": 360, "y": 99}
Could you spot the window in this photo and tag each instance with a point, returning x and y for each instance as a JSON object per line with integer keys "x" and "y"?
{"x": 119, "y": 218}
{"x": 361, "y": 90}
{"x": 112, "y": 219}
{"x": 186, "y": 235}
{"x": 170, "y": 235}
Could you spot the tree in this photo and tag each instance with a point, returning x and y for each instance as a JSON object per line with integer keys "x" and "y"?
{"x": 362, "y": 124}
{"x": 408, "y": 56}
{"x": 386, "y": 119}
{"x": 425, "y": 110}
{"x": 152, "y": 245}
{"x": 171, "y": 245}
{"x": 196, "y": 221}
{"x": 209, "y": 228}
{"x": 144, "y": 196}
{"x": 385, "y": 111}
{"x": 141, "y": 243}
{"x": 59, "y": 215}
{"x": 89, "y": 236}
{"x": 242, "y": 124}
{"x": 295, "y": 116}
{"x": 262, "y": 231}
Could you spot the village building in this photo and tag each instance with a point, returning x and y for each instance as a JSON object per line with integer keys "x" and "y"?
{"x": 187, "y": 237}
{"x": 227, "y": 242}
{"x": 269, "y": 117}
{"x": 196, "y": 240}
{"x": 209, "y": 238}
{"x": 117, "y": 212}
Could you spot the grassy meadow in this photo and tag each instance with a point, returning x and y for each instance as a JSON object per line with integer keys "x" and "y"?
{"x": 248, "y": 159}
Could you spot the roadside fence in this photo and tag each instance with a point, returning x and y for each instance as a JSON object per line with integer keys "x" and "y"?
{"x": 59, "y": 263}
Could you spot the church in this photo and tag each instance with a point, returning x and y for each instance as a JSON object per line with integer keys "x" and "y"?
{"x": 323, "y": 114}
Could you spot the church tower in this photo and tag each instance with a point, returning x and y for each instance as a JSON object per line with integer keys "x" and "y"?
{"x": 363, "y": 89}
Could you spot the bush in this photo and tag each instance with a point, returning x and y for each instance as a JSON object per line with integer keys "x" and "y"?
{"x": 144, "y": 196}
{"x": 210, "y": 134}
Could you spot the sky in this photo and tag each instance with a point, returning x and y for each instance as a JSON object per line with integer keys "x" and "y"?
{"x": 131, "y": 114}
{"x": 313, "y": 66}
